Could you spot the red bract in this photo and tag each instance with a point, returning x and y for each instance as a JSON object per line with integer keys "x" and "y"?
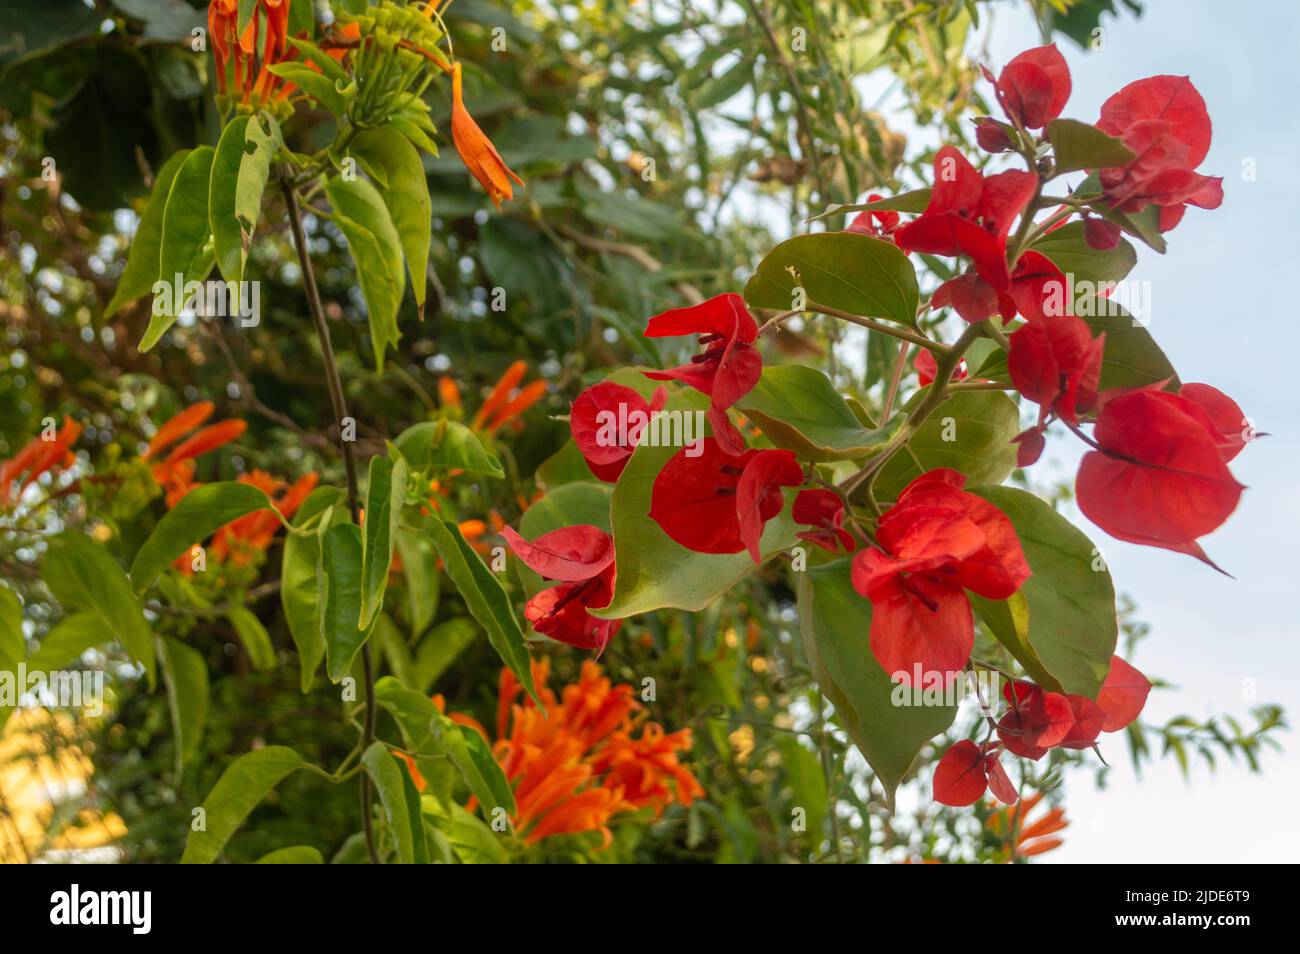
{"x": 582, "y": 559}
{"x": 970, "y": 296}
{"x": 607, "y": 422}
{"x": 1056, "y": 363}
{"x": 729, "y": 366}
{"x": 1034, "y": 86}
{"x": 927, "y": 368}
{"x": 1123, "y": 695}
{"x": 715, "y": 502}
{"x": 1163, "y": 120}
{"x": 823, "y": 509}
{"x": 992, "y": 136}
{"x": 935, "y": 542}
{"x": 1100, "y": 234}
{"x": 1089, "y": 720}
{"x": 1038, "y": 287}
{"x": 970, "y": 214}
{"x": 1036, "y": 721}
{"x": 876, "y": 224}
{"x": 1158, "y": 476}
{"x": 1030, "y": 444}
{"x": 758, "y": 494}
{"x": 1223, "y": 418}
{"x": 966, "y": 771}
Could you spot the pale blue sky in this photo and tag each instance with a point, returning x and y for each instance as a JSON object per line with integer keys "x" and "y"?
{"x": 1221, "y": 310}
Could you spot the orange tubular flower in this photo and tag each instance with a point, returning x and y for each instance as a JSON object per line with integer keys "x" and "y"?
{"x": 175, "y": 472}
{"x": 505, "y": 403}
{"x": 244, "y": 537}
{"x": 1031, "y": 839}
{"x": 37, "y": 457}
{"x": 476, "y": 150}
{"x": 251, "y": 78}
{"x": 588, "y": 758}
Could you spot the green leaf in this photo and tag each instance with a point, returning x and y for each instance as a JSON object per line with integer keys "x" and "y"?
{"x": 470, "y": 753}
{"x": 845, "y": 270}
{"x": 485, "y": 598}
{"x": 970, "y": 432}
{"x": 441, "y": 648}
{"x": 299, "y": 595}
{"x": 406, "y": 193}
{"x": 185, "y": 248}
{"x": 585, "y": 502}
{"x": 293, "y": 855}
{"x": 67, "y": 640}
{"x": 385, "y": 494}
{"x": 435, "y": 447}
{"x": 913, "y": 202}
{"x": 13, "y": 645}
{"x": 332, "y": 94}
{"x": 80, "y": 572}
{"x": 239, "y": 178}
{"x": 1077, "y": 145}
{"x": 473, "y": 841}
{"x": 414, "y": 713}
{"x": 423, "y": 581}
{"x": 198, "y": 515}
{"x": 799, "y": 409}
{"x": 718, "y": 89}
{"x": 145, "y": 254}
{"x": 653, "y": 571}
{"x": 329, "y": 67}
{"x": 1145, "y": 224}
{"x": 807, "y": 779}
{"x": 1070, "y": 252}
{"x": 385, "y": 771}
{"x": 185, "y": 674}
{"x": 338, "y": 579}
{"x": 565, "y": 466}
{"x": 256, "y": 640}
{"x": 1071, "y": 622}
{"x": 244, "y": 783}
{"x": 360, "y": 213}
{"x": 835, "y": 622}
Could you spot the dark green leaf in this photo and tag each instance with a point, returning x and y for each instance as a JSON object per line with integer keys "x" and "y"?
{"x": 1077, "y": 145}
{"x": 798, "y": 408}
{"x": 242, "y": 785}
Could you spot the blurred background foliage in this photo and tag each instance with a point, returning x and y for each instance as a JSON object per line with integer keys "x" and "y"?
{"x": 665, "y": 146}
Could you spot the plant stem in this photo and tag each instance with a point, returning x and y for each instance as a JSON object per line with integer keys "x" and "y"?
{"x": 917, "y": 339}
{"x": 339, "y": 404}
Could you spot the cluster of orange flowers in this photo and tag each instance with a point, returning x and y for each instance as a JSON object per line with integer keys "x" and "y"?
{"x": 1033, "y": 838}
{"x": 231, "y": 48}
{"x": 588, "y": 757}
{"x": 36, "y": 458}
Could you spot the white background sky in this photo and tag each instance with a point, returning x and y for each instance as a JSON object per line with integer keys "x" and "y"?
{"x": 1223, "y": 310}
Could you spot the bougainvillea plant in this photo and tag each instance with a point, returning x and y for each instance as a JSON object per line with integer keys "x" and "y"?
{"x": 897, "y": 532}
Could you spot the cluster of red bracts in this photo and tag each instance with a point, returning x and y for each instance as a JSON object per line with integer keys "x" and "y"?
{"x": 1035, "y": 721}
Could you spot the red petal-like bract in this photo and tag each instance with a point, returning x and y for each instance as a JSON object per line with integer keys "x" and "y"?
{"x": 959, "y": 776}
{"x": 1088, "y": 722}
{"x": 1123, "y": 695}
{"x": 607, "y": 421}
{"x": 1030, "y": 444}
{"x": 1100, "y": 234}
{"x": 1037, "y": 720}
{"x": 561, "y": 612}
{"x": 1035, "y": 86}
{"x": 1225, "y": 419}
{"x": 1056, "y": 363}
{"x": 927, "y": 368}
{"x": 823, "y": 509}
{"x": 1172, "y": 99}
{"x": 918, "y": 622}
{"x": 970, "y": 296}
{"x": 694, "y": 498}
{"x": 730, "y": 366}
{"x": 758, "y": 494}
{"x": 1159, "y": 477}
{"x": 569, "y": 553}
{"x": 999, "y": 784}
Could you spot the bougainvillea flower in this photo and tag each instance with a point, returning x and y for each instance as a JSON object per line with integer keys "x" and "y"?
{"x": 1157, "y": 476}
{"x": 715, "y": 502}
{"x": 476, "y": 150}
{"x": 1034, "y": 87}
{"x": 1056, "y": 363}
{"x": 966, "y": 771}
{"x": 927, "y": 367}
{"x": 878, "y": 224}
{"x": 1223, "y": 417}
{"x": 1036, "y": 721}
{"x": 992, "y": 136}
{"x": 607, "y": 422}
{"x": 245, "y": 537}
{"x": 823, "y": 509}
{"x": 1100, "y": 234}
{"x": 1029, "y": 446}
{"x": 1163, "y": 120}
{"x": 581, "y": 558}
{"x": 970, "y": 214}
{"x": 1123, "y": 695}
{"x": 729, "y": 366}
{"x": 36, "y": 458}
{"x": 934, "y": 543}
{"x": 1038, "y": 288}
{"x": 1031, "y": 838}
{"x": 1089, "y": 720}
{"x": 970, "y": 296}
